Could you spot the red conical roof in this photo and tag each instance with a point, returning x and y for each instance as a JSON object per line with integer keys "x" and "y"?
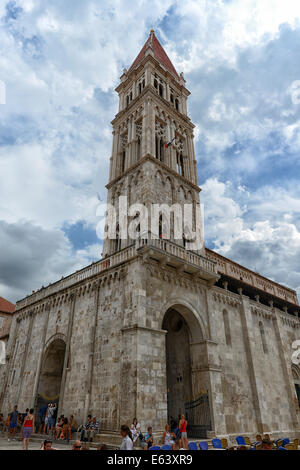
{"x": 159, "y": 54}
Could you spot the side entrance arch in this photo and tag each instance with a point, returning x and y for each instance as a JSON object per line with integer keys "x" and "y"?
{"x": 187, "y": 382}
{"x": 51, "y": 373}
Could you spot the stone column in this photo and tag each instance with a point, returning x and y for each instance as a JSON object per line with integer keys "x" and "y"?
{"x": 167, "y": 91}
{"x": 10, "y": 362}
{"x": 116, "y": 155}
{"x": 40, "y": 359}
{"x": 172, "y": 150}
{"x": 67, "y": 353}
{"x": 129, "y": 145}
{"x": 151, "y": 129}
{"x": 249, "y": 342}
{"x": 207, "y": 375}
{"x": 31, "y": 319}
{"x": 92, "y": 353}
{"x": 144, "y": 131}
{"x": 286, "y": 374}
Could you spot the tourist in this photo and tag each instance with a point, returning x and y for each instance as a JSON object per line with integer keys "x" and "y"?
{"x": 52, "y": 410}
{"x": 167, "y": 438}
{"x": 20, "y": 424}
{"x": 147, "y": 440}
{"x": 50, "y": 419}
{"x": 135, "y": 429}
{"x": 46, "y": 426}
{"x": 73, "y": 425}
{"x": 267, "y": 444}
{"x": 42, "y": 415}
{"x": 47, "y": 445}
{"x": 76, "y": 445}
{"x": 182, "y": 429}
{"x": 94, "y": 429}
{"x": 85, "y": 446}
{"x": 58, "y": 427}
{"x": 65, "y": 432}
{"x": 85, "y": 429}
{"x": 13, "y": 422}
{"x": 127, "y": 443}
{"x": 178, "y": 441}
{"x": 27, "y": 428}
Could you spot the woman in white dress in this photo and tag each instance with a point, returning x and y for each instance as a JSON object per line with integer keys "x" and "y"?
{"x": 135, "y": 429}
{"x": 127, "y": 443}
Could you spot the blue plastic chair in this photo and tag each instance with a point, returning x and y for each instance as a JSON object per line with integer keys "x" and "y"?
{"x": 281, "y": 448}
{"x": 166, "y": 447}
{"x": 193, "y": 446}
{"x": 240, "y": 440}
{"x": 217, "y": 444}
{"x": 154, "y": 448}
{"x": 203, "y": 445}
{"x": 285, "y": 441}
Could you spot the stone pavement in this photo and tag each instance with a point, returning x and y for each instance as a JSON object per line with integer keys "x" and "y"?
{"x": 34, "y": 444}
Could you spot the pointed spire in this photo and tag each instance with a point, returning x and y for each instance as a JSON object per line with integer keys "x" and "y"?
{"x": 158, "y": 52}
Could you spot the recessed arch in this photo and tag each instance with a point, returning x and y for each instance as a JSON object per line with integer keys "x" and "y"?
{"x": 51, "y": 371}
{"x": 194, "y": 319}
{"x": 187, "y": 386}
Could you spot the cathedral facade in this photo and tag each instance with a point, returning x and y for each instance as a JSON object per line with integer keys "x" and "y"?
{"x": 155, "y": 329}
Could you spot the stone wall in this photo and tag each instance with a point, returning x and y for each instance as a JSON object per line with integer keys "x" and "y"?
{"x": 112, "y": 326}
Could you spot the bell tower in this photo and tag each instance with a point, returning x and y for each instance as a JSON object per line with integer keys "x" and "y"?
{"x": 153, "y": 157}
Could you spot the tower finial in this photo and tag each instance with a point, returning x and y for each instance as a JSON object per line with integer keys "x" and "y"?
{"x": 152, "y": 31}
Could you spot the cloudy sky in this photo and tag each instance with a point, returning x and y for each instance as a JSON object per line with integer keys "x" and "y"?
{"x": 60, "y": 62}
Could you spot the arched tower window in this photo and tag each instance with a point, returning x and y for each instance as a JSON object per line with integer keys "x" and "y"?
{"x": 263, "y": 337}
{"x": 180, "y": 164}
{"x": 139, "y": 130}
{"x": 117, "y": 240}
{"x": 160, "y": 226}
{"x": 123, "y": 139}
{"x": 296, "y": 378}
{"x": 123, "y": 160}
{"x": 161, "y": 90}
{"x": 159, "y": 141}
{"x": 227, "y": 328}
{"x": 177, "y": 104}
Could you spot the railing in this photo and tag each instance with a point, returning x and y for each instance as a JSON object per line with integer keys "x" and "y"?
{"x": 116, "y": 259}
{"x": 92, "y": 270}
{"x": 231, "y": 269}
{"x": 180, "y": 252}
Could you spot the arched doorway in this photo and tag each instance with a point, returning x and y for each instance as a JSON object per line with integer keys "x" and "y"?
{"x": 51, "y": 373}
{"x": 178, "y": 358}
{"x": 187, "y": 387}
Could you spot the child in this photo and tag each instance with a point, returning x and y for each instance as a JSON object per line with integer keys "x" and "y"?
{"x": 147, "y": 440}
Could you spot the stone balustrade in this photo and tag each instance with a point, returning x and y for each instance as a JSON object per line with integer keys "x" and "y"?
{"x": 229, "y": 268}
{"x": 116, "y": 259}
{"x": 179, "y": 251}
